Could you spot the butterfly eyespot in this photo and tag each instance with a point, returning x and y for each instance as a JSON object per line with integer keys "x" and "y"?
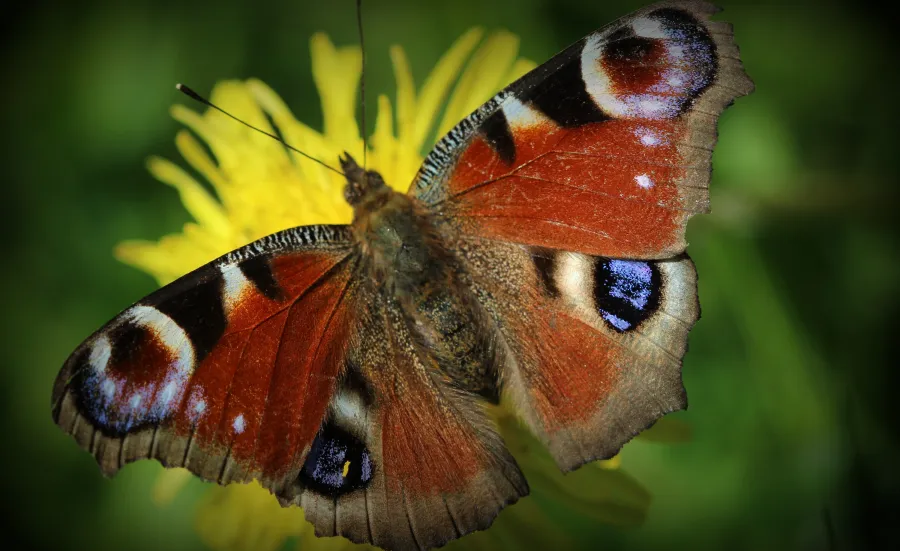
{"x": 114, "y": 387}
{"x": 338, "y": 463}
{"x": 626, "y": 292}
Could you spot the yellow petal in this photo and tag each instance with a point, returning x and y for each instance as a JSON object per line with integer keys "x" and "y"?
{"x": 303, "y": 138}
{"x": 484, "y": 76}
{"x": 172, "y": 256}
{"x": 519, "y": 69}
{"x": 612, "y": 463}
{"x": 406, "y": 95}
{"x": 168, "y": 484}
{"x": 245, "y": 517}
{"x": 336, "y": 74}
{"x": 437, "y": 85}
{"x": 152, "y": 258}
{"x": 383, "y": 144}
{"x": 202, "y": 206}
{"x": 197, "y": 157}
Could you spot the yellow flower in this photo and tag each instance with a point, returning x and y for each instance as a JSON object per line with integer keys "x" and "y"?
{"x": 260, "y": 188}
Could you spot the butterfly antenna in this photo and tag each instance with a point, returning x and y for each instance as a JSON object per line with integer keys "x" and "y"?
{"x": 197, "y": 97}
{"x": 362, "y": 80}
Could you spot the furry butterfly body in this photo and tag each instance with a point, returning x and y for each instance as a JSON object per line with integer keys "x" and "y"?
{"x": 538, "y": 258}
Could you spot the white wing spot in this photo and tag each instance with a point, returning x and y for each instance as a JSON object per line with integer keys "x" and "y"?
{"x": 108, "y": 388}
{"x": 168, "y": 393}
{"x": 574, "y": 278}
{"x": 650, "y": 107}
{"x": 239, "y": 424}
{"x": 520, "y": 115}
{"x": 169, "y": 333}
{"x": 101, "y": 351}
{"x": 649, "y": 28}
{"x": 649, "y": 137}
{"x": 236, "y": 284}
{"x": 348, "y": 405}
{"x": 135, "y": 401}
{"x": 644, "y": 181}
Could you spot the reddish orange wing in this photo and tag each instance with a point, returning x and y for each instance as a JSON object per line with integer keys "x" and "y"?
{"x": 605, "y": 149}
{"x": 279, "y": 362}
{"x": 596, "y": 342}
{"x": 571, "y": 190}
{"x": 434, "y": 467}
{"x": 228, "y": 371}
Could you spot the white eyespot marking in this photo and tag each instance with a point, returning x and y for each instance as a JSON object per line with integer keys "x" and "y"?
{"x": 168, "y": 393}
{"x": 239, "y": 424}
{"x": 349, "y": 411}
{"x": 644, "y": 181}
{"x": 171, "y": 336}
{"x": 196, "y": 406}
{"x": 686, "y": 65}
{"x": 650, "y": 107}
{"x": 596, "y": 81}
{"x": 520, "y": 115}
{"x": 651, "y": 104}
{"x": 101, "y": 350}
{"x": 236, "y": 284}
{"x": 108, "y": 387}
{"x": 649, "y": 136}
{"x": 348, "y": 405}
{"x": 649, "y": 28}
{"x": 169, "y": 333}
{"x": 649, "y": 139}
{"x": 112, "y": 398}
{"x": 573, "y": 276}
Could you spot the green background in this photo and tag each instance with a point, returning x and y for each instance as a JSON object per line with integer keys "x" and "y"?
{"x": 788, "y": 374}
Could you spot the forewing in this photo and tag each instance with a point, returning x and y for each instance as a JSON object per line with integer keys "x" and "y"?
{"x": 429, "y": 465}
{"x": 593, "y": 345}
{"x": 227, "y": 371}
{"x": 605, "y": 149}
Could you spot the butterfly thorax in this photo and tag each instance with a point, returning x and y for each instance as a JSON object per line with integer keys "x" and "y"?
{"x": 393, "y": 235}
{"x": 407, "y": 260}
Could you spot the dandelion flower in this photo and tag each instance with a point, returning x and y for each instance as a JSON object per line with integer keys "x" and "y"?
{"x": 260, "y": 188}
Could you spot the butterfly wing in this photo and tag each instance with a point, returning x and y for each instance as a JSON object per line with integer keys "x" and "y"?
{"x": 605, "y": 149}
{"x": 570, "y": 191}
{"x": 228, "y": 371}
{"x": 431, "y": 466}
{"x": 275, "y": 362}
{"x": 595, "y": 344}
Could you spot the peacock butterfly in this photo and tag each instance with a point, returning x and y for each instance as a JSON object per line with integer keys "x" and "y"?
{"x": 539, "y": 255}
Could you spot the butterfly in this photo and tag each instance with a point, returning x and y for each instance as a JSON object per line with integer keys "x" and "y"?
{"x": 538, "y": 257}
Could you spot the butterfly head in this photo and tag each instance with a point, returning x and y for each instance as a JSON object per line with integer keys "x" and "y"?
{"x": 362, "y": 184}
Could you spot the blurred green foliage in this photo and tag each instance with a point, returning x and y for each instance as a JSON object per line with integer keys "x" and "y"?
{"x": 788, "y": 372}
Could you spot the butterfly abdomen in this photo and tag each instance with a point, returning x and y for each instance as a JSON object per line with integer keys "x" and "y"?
{"x": 449, "y": 329}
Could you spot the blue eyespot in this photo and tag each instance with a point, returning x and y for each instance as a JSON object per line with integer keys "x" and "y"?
{"x": 626, "y": 292}
{"x": 338, "y": 462}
